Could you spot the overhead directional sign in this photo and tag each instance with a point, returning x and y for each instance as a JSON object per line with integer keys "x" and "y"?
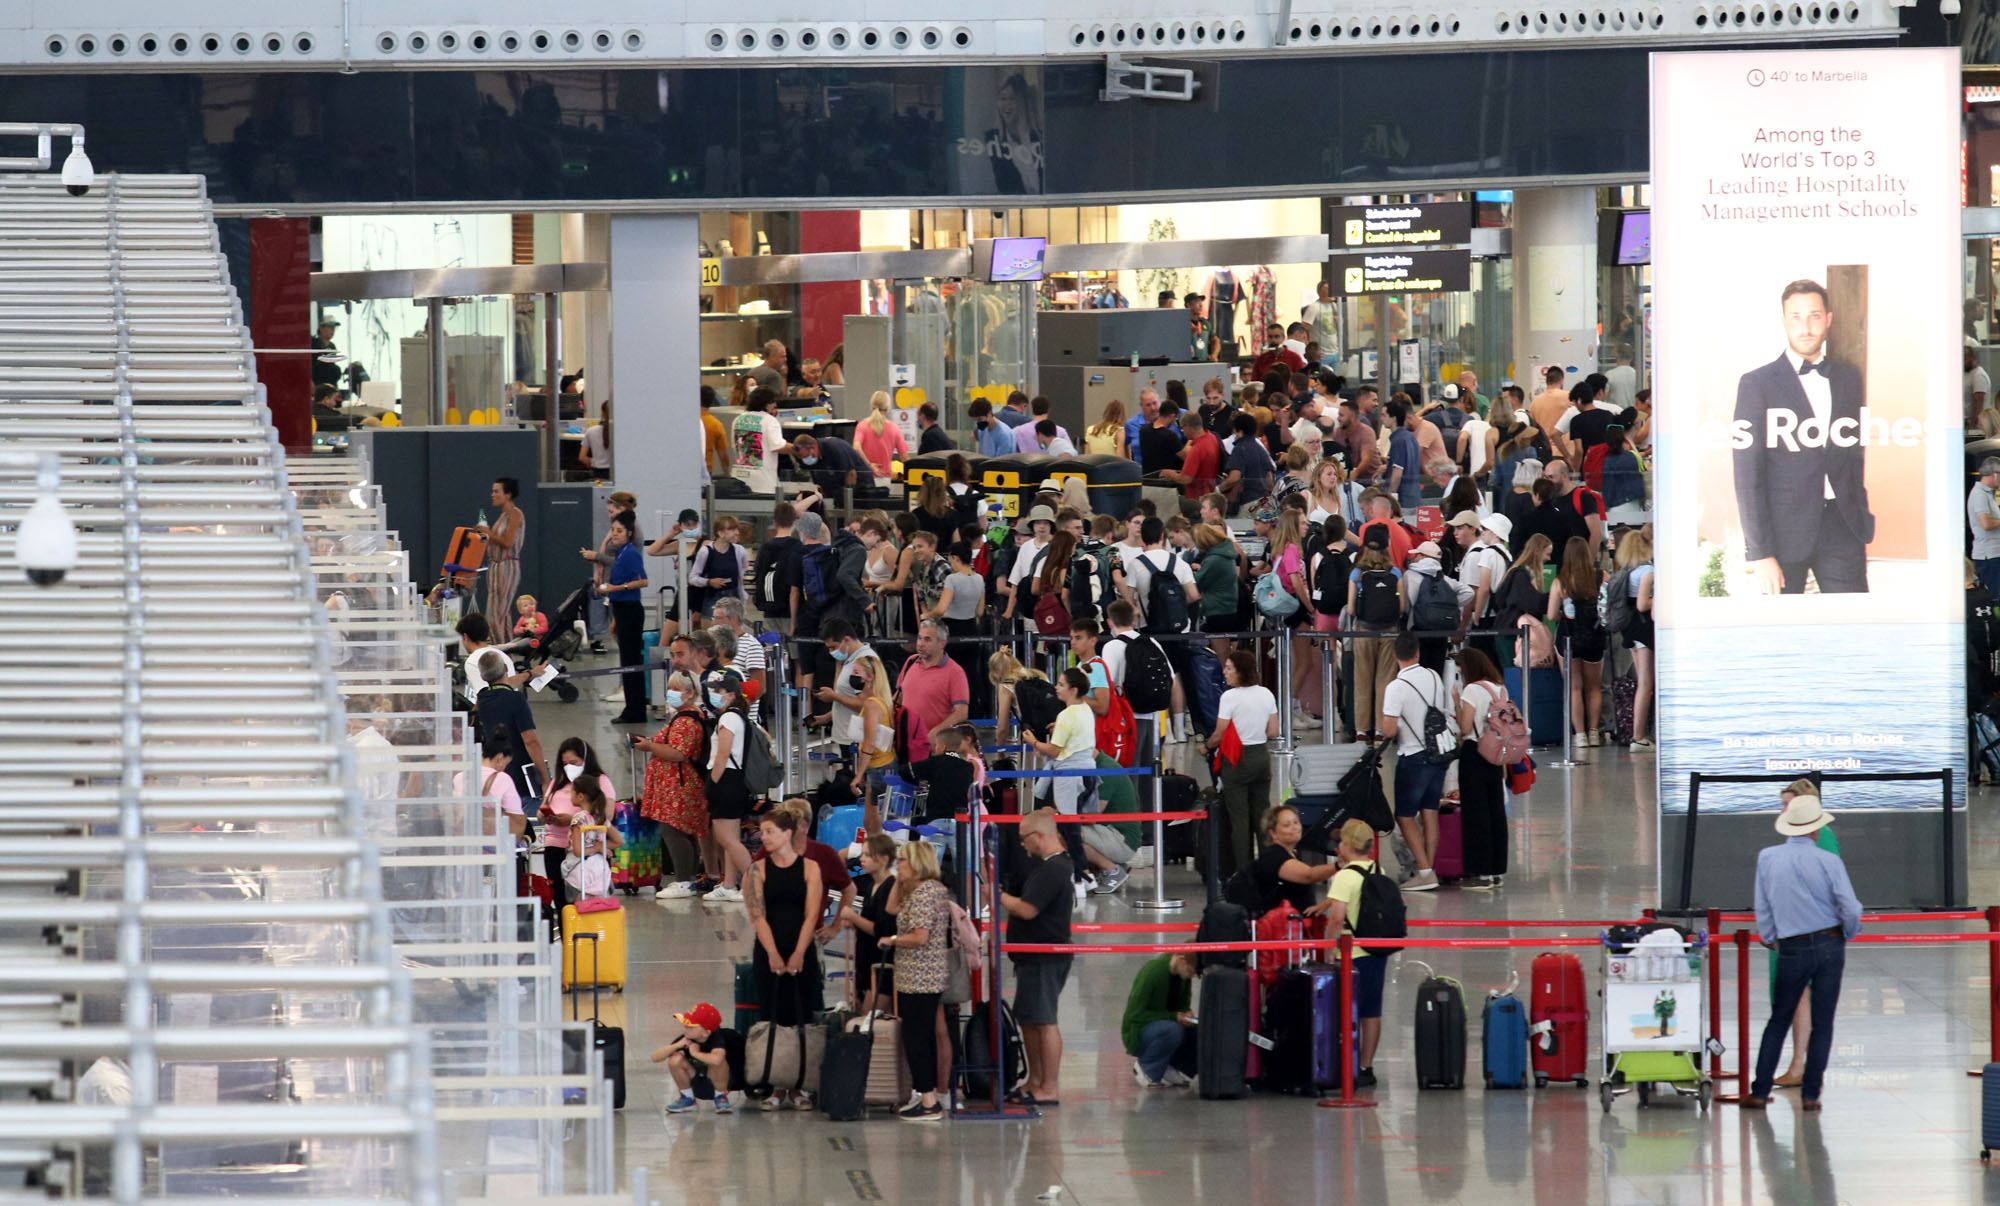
{"x": 1402, "y": 272}
{"x": 1360, "y": 227}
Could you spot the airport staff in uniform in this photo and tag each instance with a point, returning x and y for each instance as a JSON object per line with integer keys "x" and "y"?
{"x": 1807, "y": 910}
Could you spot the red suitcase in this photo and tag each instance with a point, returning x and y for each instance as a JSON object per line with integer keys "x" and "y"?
{"x": 1450, "y": 860}
{"x": 1559, "y": 1021}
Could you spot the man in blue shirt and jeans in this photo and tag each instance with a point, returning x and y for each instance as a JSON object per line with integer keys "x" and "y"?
{"x": 1806, "y": 909}
{"x": 1406, "y": 474}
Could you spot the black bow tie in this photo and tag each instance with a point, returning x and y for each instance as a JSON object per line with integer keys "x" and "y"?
{"x": 1807, "y": 366}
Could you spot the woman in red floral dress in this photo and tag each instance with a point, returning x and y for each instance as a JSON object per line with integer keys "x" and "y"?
{"x": 676, "y": 788}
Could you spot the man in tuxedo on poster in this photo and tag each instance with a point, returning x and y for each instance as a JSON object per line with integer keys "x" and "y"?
{"x": 1800, "y": 492}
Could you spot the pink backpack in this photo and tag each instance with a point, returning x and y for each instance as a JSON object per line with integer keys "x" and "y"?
{"x": 1503, "y": 740}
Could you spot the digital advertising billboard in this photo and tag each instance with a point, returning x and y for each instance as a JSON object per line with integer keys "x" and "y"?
{"x": 1809, "y": 485}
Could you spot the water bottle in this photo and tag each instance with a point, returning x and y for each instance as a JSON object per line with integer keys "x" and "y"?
{"x": 482, "y": 518}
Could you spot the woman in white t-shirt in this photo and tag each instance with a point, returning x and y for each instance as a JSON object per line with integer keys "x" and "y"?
{"x": 1246, "y": 722}
{"x": 1482, "y": 789}
{"x": 728, "y": 793}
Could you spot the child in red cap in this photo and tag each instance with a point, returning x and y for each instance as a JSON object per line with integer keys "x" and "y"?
{"x": 706, "y": 1062}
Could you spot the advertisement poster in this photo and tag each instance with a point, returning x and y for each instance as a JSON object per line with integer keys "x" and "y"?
{"x": 1809, "y": 483}
{"x": 998, "y": 115}
{"x": 1653, "y": 1017}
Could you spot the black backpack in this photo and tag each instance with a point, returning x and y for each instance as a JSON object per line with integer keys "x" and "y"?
{"x": 1329, "y": 583}
{"x": 1437, "y": 605}
{"x": 816, "y": 575}
{"x": 1439, "y": 747}
{"x": 1036, "y": 706}
{"x": 1149, "y": 677}
{"x": 1377, "y": 602}
{"x": 1166, "y": 604}
{"x": 1379, "y": 913}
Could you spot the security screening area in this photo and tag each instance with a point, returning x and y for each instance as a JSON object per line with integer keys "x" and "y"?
{"x": 1055, "y": 682}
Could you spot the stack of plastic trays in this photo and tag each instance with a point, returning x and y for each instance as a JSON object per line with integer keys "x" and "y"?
{"x": 199, "y": 995}
{"x": 511, "y": 1117}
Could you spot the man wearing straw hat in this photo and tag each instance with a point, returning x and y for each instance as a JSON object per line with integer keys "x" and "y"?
{"x": 1807, "y": 911}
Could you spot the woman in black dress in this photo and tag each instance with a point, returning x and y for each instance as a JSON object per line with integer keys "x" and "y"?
{"x": 785, "y": 899}
{"x": 871, "y": 920}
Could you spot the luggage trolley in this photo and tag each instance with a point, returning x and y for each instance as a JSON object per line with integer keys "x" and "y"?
{"x": 1653, "y": 1021}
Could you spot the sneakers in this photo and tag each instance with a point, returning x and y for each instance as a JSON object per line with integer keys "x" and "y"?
{"x": 683, "y": 891}
{"x": 1110, "y": 881}
{"x": 722, "y": 1105}
{"x": 1145, "y": 1081}
{"x": 1305, "y": 720}
{"x": 1085, "y": 885}
{"x": 705, "y": 884}
{"x": 1176, "y": 1079}
{"x": 1364, "y": 1078}
{"x": 1142, "y": 860}
{"x": 1642, "y": 743}
{"x": 724, "y": 894}
{"x": 682, "y": 1104}
{"x": 920, "y": 1112}
{"x": 597, "y": 646}
{"x": 1481, "y": 883}
{"x": 1422, "y": 881}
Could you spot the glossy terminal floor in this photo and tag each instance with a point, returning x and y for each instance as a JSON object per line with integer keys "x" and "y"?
{"x": 1901, "y": 1121}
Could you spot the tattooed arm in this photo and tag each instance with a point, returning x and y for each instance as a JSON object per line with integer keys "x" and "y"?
{"x": 753, "y": 899}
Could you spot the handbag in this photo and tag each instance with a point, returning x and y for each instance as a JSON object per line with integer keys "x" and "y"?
{"x": 785, "y": 1057}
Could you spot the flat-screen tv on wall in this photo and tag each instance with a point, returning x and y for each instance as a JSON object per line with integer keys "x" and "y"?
{"x": 1635, "y": 237}
{"x": 1010, "y": 260}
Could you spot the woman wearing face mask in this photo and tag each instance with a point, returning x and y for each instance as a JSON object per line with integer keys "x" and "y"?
{"x": 574, "y": 760}
{"x": 728, "y": 794}
{"x": 676, "y": 787}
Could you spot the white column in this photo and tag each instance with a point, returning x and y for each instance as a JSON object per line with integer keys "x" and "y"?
{"x": 655, "y": 357}
{"x": 1555, "y": 282}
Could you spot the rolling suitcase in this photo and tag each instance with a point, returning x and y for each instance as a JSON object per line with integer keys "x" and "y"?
{"x": 1440, "y": 1034}
{"x": 1303, "y": 1023}
{"x": 1223, "y": 922}
{"x": 1544, "y": 713}
{"x": 1559, "y": 1021}
{"x": 749, "y": 1004}
{"x": 601, "y": 916}
{"x": 635, "y": 864}
{"x": 888, "y": 1082}
{"x": 1504, "y": 1042}
{"x": 1624, "y": 701}
{"x": 1450, "y": 860}
{"x": 1989, "y": 1112}
{"x": 464, "y": 554}
{"x": 1223, "y": 1037}
{"x": 843, "y": 1074}
{"x": 609, "y": 1040}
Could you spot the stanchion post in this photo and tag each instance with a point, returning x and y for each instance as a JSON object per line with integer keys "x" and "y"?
{"x": 1565, "y": 762}
{"x": 783, "y": 739}
{"x": 1746, "y": 1063}
{"x": 1329, "y": 688}
{"x": 1714, "y": 957}
{"x": 1347, "y": 1100}
{"x": 1159, "y": 902}
{"x": 1283, "y": 648}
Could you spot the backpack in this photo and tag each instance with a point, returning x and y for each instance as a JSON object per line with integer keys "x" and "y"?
{"x": 766, "y": 593}
{"x": 1087, "y": 577}
{"x": 1379, "y": 913}
{"x": 1616, "y": 608}
{"x": 1376, "y": 602}
{"x": 1504, "y": 739}
{"x": 1117, "y": 729}
{"x": 1331, "y": 572}
{"x": 1149, "y": 677}
{"x": 1051, "y": 615}
{"x": 1035, "y": 705}
{"x": 1439, "y": 747}
{"x": 761, "y": 773}
{"x": 816, "y": 575}
{"x": 1273, "y": 601}
{"x": 1166, "y": 604}
{"x": 1437, "y": 605}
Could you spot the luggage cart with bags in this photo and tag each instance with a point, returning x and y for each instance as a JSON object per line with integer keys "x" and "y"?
{"x": 1653, "y": 1019}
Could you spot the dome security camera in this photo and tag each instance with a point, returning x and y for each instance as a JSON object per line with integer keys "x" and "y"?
{"x": 77, "y": 174}
{"x": 45, "y": 543}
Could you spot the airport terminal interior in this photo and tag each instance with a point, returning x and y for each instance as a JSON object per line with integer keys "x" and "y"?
{"x": 469, "y": 481}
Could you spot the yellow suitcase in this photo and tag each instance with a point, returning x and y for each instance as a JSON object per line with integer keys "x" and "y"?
{"x": 585, "y": 960}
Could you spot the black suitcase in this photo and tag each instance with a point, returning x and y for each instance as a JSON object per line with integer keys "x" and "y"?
{"x": 843, "y": 1074}
{"x": 610, "y": 1040}
{"x": 1989, "y": 1112}
{"x": 1222, "y": 1041}
{"x": 1440, "y": 1034}
{"x": 1223, "y": 922}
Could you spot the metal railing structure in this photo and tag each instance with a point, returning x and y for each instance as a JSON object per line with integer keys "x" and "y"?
{"x": 255, "y": 939}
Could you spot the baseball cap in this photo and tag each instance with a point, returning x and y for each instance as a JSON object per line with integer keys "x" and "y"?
{"x": 1464, "y": 519}
{"x": 1376, "y": 536}
{"x": 1428, "y": 548}
{"x": 1449, "y": 393}
{"x": 704, "y": 1015}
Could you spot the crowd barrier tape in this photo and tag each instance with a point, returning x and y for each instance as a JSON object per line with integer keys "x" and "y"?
{"x": 1085, "y": 818}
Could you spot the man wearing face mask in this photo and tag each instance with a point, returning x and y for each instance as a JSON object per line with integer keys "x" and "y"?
{"x": 833, "y": 464}
{"x": 856, "y": 664}
{"x": 993, "y": 437}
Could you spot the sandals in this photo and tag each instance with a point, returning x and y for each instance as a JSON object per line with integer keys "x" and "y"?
{"x": 1021, "y": 1097}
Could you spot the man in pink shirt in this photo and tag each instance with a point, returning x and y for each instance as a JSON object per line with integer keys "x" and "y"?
{"x": 933, "y": 690}
{"x": 1025, "y": 441}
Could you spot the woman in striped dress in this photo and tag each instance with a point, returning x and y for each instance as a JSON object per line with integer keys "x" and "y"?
{"x": 504, "y": 538}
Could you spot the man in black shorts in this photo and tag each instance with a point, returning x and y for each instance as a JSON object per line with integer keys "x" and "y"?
{"x": 1041, "y": 913}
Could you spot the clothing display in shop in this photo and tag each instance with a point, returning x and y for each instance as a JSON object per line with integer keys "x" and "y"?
{"x": 1263, "y": 301}
{"x": 1224, "y": 292}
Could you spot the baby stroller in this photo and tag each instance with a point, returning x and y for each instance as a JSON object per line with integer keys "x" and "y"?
{"x": 559, "y": 644}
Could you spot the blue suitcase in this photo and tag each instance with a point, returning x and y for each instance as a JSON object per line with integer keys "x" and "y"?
{"x": 1545, "y": 716}
{"x": 1989, "y": 1112}
{"x": 1303, "y": 1018}
{"x": 1505, "y": 1039}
